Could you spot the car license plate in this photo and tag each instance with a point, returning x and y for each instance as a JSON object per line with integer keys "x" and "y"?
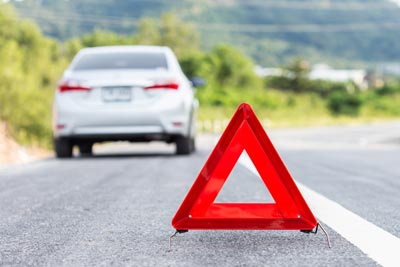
{"x": 116, "y": 94}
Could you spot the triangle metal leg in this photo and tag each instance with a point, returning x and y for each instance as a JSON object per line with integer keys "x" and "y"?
{"x": 172, "y": 236}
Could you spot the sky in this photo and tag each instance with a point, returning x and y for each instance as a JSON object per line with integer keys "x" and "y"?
{"x": 395, "y": 1}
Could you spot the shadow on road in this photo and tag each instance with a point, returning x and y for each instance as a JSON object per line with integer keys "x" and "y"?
{"x": 128, "y": 155}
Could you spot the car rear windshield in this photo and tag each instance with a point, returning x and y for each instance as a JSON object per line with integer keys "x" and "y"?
{"x": 130, "y": 60}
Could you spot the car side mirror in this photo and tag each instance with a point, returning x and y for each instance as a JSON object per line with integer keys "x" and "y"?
{"x": 198, "y": 82}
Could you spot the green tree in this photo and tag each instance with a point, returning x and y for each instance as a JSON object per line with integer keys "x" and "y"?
{"x": 229, "y": 67}
{"x": 148, "y": 32}
{"x": 104, "y": 38}
{"x": 180, "y": 36}
{"x": 31, "y": 65}
{"x": 344, "y": 103}
{"x": 11, "y": 78}
{"x": 194, "y": 64}
{"x": 8, "y": 22}
{"x": 297, "y": 72}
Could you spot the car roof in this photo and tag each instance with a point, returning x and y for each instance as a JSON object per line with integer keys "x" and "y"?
{"x": 125, "y": 48}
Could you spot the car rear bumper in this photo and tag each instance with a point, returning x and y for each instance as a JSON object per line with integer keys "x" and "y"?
{"x": 115, "y": 130}
{"x": 122, "y": 133}
{"x": 131, "y": 137}
{"x": 151, "y": 123}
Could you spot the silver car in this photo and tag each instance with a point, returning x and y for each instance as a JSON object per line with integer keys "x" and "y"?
{"x": 127, "y": 93}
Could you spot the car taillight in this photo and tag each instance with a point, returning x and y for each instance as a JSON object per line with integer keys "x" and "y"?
{"x": 67, "y": 86}
{"x": 169, "y": 85}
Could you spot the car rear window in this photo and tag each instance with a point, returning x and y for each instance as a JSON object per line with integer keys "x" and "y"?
{"x": 131, "y": 60}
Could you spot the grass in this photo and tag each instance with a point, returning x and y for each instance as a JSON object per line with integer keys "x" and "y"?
{"x": 283, "y": 109}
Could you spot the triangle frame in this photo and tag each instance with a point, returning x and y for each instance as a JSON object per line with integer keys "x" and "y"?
{"x": 198, "y": 210}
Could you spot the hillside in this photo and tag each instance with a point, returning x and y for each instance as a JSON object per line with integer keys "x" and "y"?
{"x": 340, "y": 32}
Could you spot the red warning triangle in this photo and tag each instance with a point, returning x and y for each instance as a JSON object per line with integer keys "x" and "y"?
{"x": 198, "y": 210}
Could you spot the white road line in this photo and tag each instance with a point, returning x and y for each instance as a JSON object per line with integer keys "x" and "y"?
{"x": 378, "y": 244}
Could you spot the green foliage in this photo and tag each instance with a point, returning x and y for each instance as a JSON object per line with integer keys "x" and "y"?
{"x": 340, "y": 100}
{"x": 194, "y": 64}
{"x": 389, "y": 88}
{"x": 148, "y": 32}
{"x": 232, "y": 97}
{"x": 31, "y": 64}
{"x": 317, "y": 31}
{"x": 298, "y": 71}
{"x": 229, "y": 67}
{"x": 96, "y": 38}
{"x": 104, "y": 38}
{"x": 384, "y": 106}
{"x": 230, "y": 78}
{"x": 170, "y": 31}
{"x": 344, "y": 103}
{"x": 383, "y": 101}
{"x": 294, "y": 78}
{"x": 180, "y": 36}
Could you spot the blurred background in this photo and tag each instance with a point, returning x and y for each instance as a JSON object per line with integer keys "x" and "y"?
{"x": 298, "y": 63}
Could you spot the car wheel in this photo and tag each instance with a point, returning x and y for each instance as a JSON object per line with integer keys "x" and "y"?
{"x": 86, "y": 149}
{"x": 183, "y": 146}
{"x": 63, "y": 148}
{"x": 192, "y": 144}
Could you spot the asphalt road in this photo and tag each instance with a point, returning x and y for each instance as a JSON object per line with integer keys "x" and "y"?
{"x": 116, "y": 208}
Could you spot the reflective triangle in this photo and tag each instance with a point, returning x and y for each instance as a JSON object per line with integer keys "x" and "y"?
{"x": 198, "y": 210}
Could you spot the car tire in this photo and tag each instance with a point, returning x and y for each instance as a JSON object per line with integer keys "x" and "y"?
{"x": 63, "y": 148}
{"x": 86, "y": 149}
{"x": 183, "y": 145}
{"x": 193, "y": 144}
